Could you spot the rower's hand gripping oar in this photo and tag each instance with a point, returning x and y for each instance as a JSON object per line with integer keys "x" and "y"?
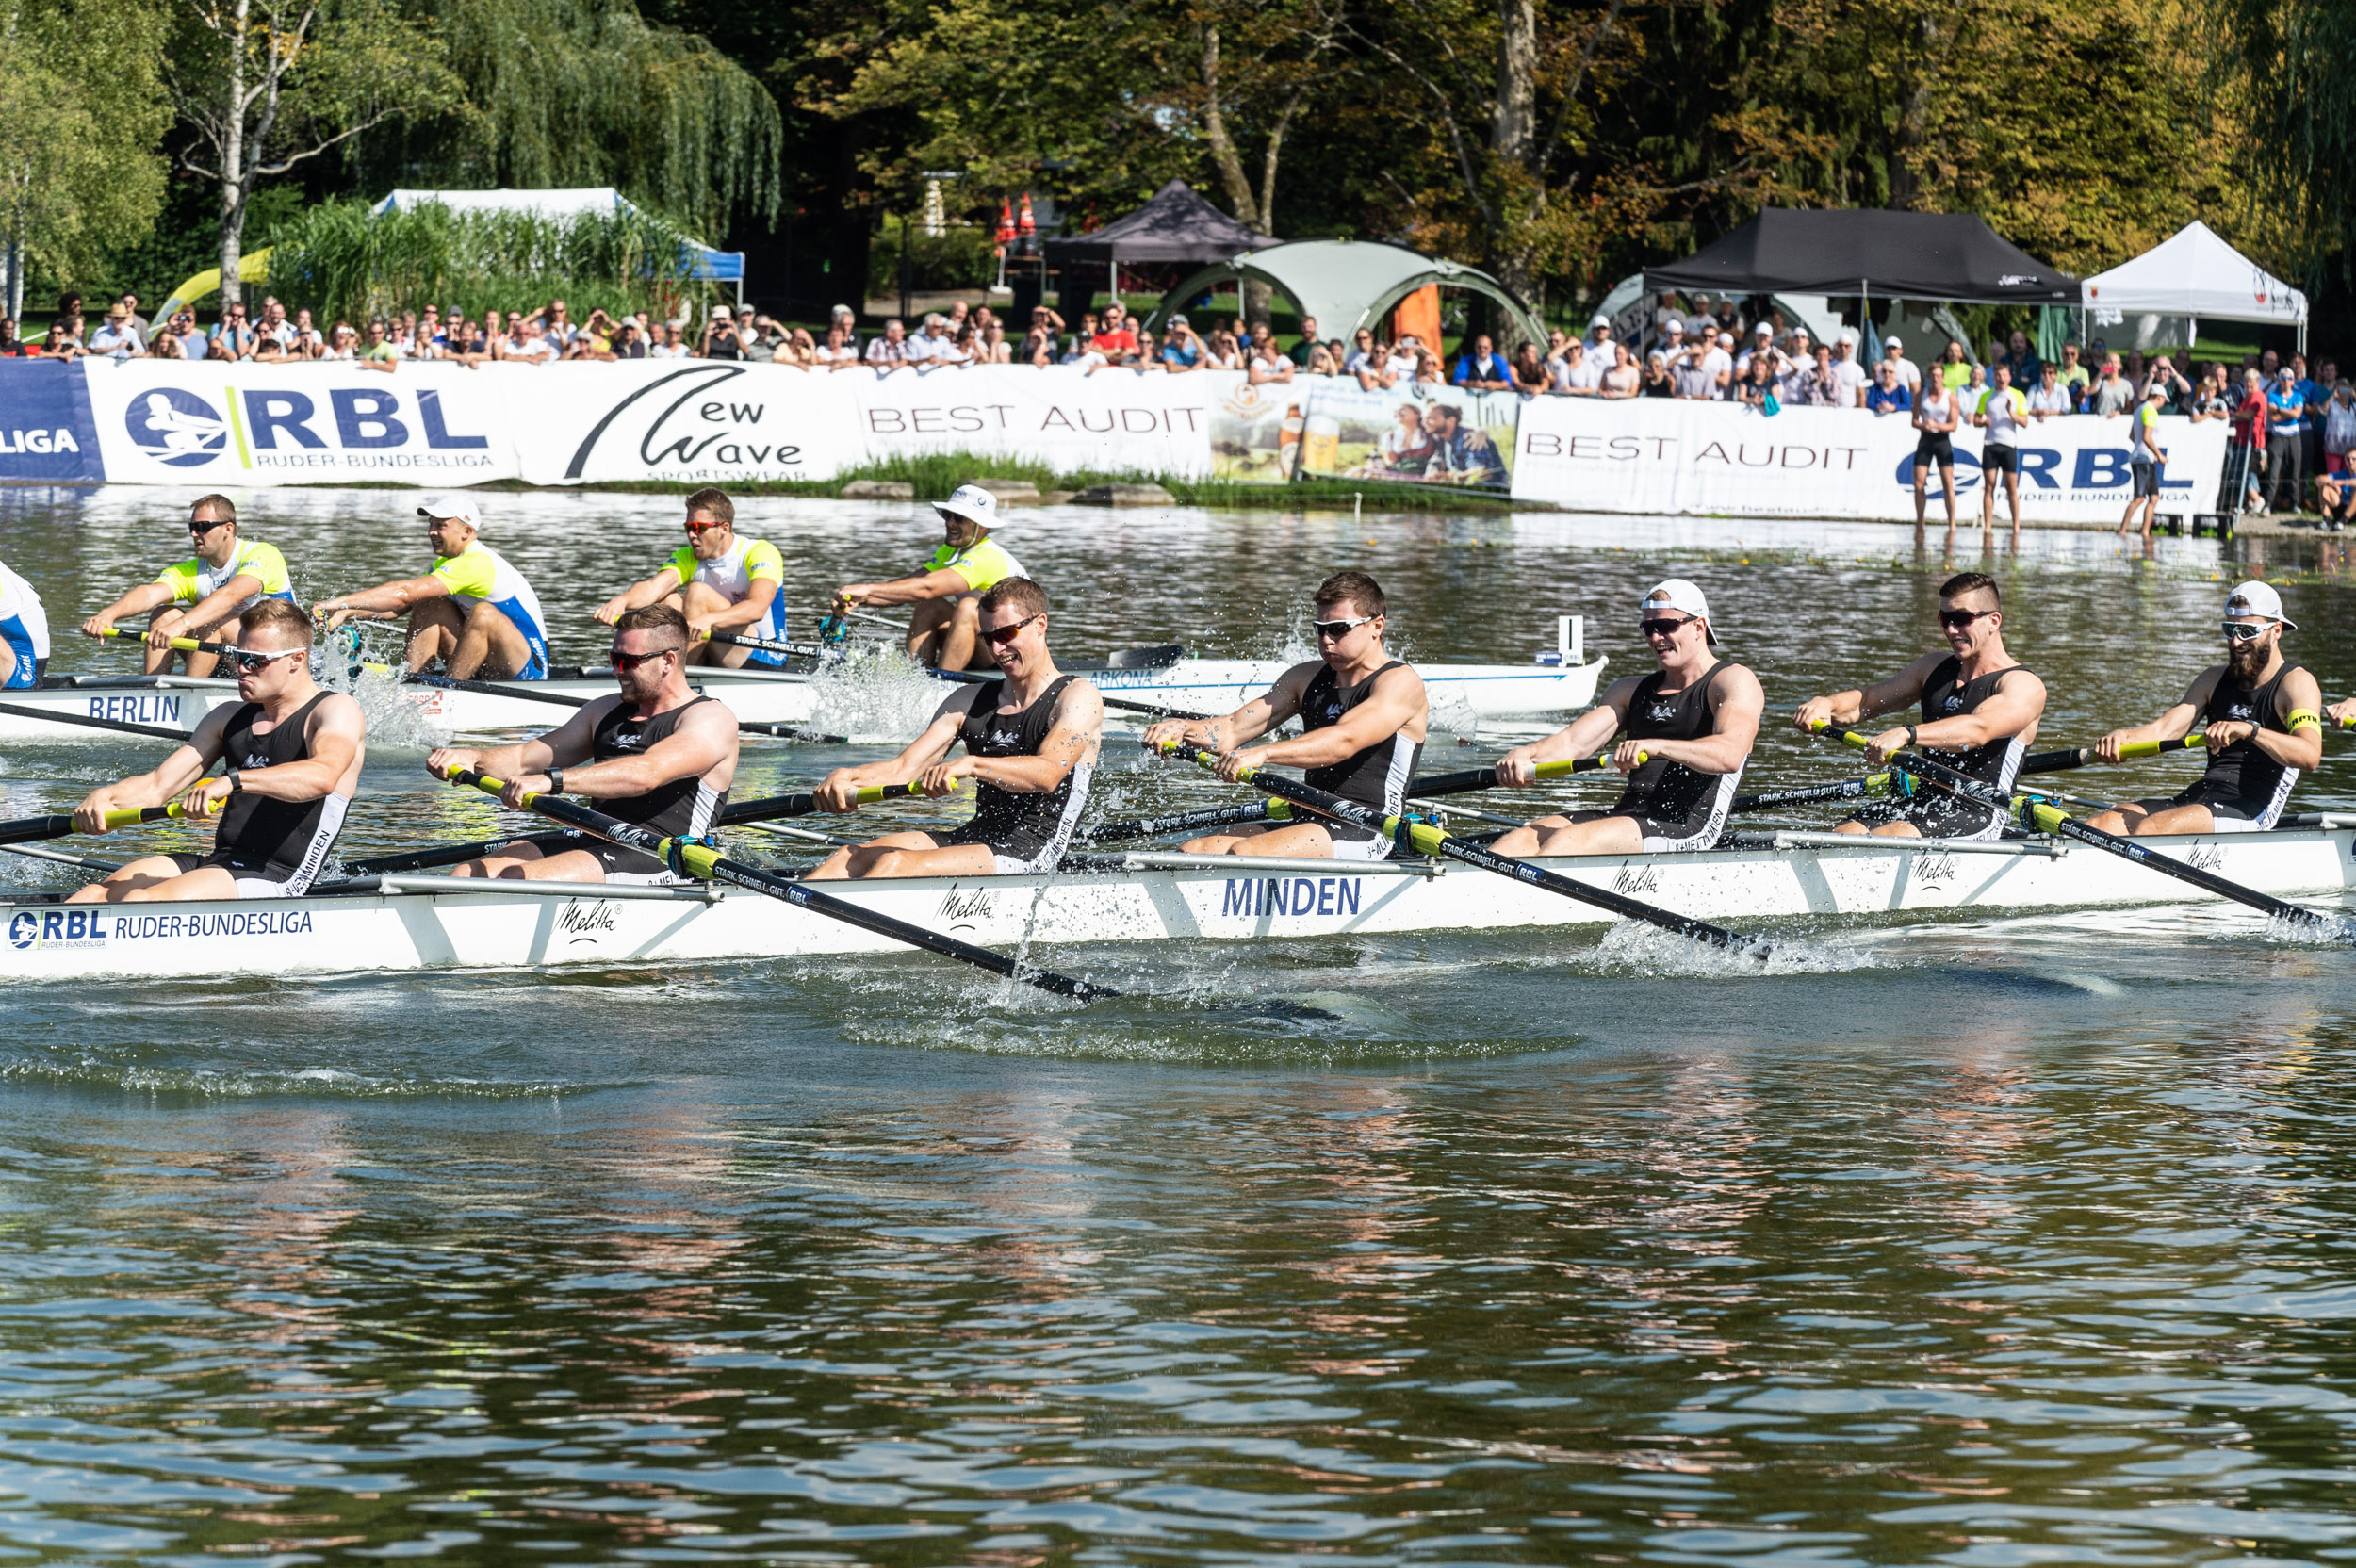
{"x": 2043, "y": 817}
{"x": 1470, "y": 779}
{"x": 1426, "y": 839}
{"x": 691, "y": 859}
{"x": 25, "y": 830}
{"x": 2079, "y": 756}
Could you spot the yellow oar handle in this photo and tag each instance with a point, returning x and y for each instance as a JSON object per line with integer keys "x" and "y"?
{"x": 134, "y": 815}
{"x": 180, "y": 645}
{"x": 1580, "y": 765}
{"x": 870, "y": 794}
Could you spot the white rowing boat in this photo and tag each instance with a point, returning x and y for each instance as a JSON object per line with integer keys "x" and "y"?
{"x": 430, "y": 922}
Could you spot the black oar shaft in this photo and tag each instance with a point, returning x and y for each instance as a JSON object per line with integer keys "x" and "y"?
{"x": 1182, "y": 821}
{"x": 524, "y": 694}
{"x": 1848, "y": 789}
{"x": 25, "y": 830}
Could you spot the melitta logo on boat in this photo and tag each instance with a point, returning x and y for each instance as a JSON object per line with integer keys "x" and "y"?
{"x": 964, "y": 907}
{"x": 2206, "y": 857}
{"x": 692, "y": 424}
{"x": 1936, "y": 866}
{"x": 582, "y": 922}
{"x": 176, "y": 427}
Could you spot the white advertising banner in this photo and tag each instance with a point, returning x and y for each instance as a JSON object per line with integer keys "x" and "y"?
{"x": 1671, "y": 456}
{"x": 217, "y": 423}
{"x": 1110, "y": 421}
{"x": 692, "y": 422}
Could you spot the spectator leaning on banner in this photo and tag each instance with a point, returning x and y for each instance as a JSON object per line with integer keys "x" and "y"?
{"x": 2049, "y": 396}
{"x": 1854, "y": 377}
{"x": 1181, "y": 350}
{"x": 1889, "y": 395}
{"x": 890, "y": 349}
{"x": 2113, "y": 394}
{"x": 1481, "y": 369}
{"x": 1579, "y": 375}
{"x": 1115, "y": 339}
{"x": 116, "y": 338}
{"x": 1909, "y": 373}
{"x": 1305, "y": 344}
{"x": 1692, "y": 376}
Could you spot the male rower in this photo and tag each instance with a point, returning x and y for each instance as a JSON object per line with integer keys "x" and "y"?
{"x": 655, "y": 754}
{"x": 203, "y": 596}
{"x": 945, "y": 629}
{"x": 1980, "y": 711}
{"x": 1030, "y": 749}
{"x": 470, "y": 610}
{"x": 288, "y": 758}
{"x": 23, "y": 634}
{"x": 1364, "y": 715}
{"x": 720, "y": 583}
{"x": 2260, "y": 720}
{"x": 1690, "y": 726}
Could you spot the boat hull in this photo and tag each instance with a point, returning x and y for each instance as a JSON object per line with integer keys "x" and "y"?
{"x": 423, "y": 924}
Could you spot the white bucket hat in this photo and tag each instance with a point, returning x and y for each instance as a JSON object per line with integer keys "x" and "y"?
{"x": 971, "y": 502}
{"x": 2258, "y": 599}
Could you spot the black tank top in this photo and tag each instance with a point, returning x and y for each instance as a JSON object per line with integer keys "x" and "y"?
{"x": 1375, "y": 777}
{"x": 268, "y": 832}
{"x": 2241, "y": 771}
{"x": 684, "y": 807}
{"x": 1003, "y": 816}
{"x": 1661, "y": 787}
{"x": 1945, "y": 697}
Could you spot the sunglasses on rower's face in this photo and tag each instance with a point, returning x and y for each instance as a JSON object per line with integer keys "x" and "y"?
{"x": 240, "y": 658}
{"x": 1005, "y": 636}
{"x": 1663, "y": 626}
{"x": 1336, "y": 630}
{"x": 2242, "y": 631}
{"x": 201, "y": 527}
{"x": 694, "y": 527}
{"x": 625, "y": 662}
{"x": 1955, "y": 620}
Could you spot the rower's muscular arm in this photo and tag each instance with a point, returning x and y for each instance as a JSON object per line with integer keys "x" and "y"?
{"x": 338, "y": 733}
{"x": 703, "y": 744}
{"x": 1071, "y": 739}
{"x": 637, "y": 596}
{"x": 1262, "y": 715}
{"x": 567, "y": 743}
{"x": 1740, "y": 704}
{"x": 1582, "y": 737}
{"x": 2303, "y": 748}
{"x": 2168, "y": 726}
{"x": 1397, "y": 703}
{"x": 753, "y": 607}
{"x": 209, "y": 612}
{"x": 936, "y": 584}
{"x": 839, "y": 791}
{"x": 175, "y": 774}
{"x": 1845, "y": 710}
{"x": 135, "y": 601}
{"x": 388, "y": 599}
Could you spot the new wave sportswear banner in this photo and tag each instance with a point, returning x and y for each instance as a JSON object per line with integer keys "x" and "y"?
{"x": 1671, "y": 456}
{"x": 687, "y": 421}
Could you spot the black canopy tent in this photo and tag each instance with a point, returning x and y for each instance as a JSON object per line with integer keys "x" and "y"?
{"x": 1910, "y": 255}
{"x": 1175, "y": 225}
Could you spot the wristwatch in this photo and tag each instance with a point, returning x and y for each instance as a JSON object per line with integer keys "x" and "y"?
{"x": 556, "y": 781}
{"x": 1914, "y": 734}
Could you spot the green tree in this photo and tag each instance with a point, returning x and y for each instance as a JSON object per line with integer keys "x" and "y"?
{"x": 82, "y": 110}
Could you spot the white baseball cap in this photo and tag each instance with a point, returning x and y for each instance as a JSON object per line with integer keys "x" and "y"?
{"x": 2258, "y": 599}
{"x": 1679, "y": 594}
{"x": 1600, "y": 321}
{"x": 455, "y": 508}
{"x": 1893, "y": 341}
{"x": 1762, "y": 330}
{"x": 971, "y": 502}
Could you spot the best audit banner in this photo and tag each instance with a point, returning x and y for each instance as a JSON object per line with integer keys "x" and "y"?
{"x": 1671, "y": 456}
{"x": 1109, "y": 420}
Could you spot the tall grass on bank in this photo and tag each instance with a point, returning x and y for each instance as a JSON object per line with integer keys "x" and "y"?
{"x": 344, "y": 263}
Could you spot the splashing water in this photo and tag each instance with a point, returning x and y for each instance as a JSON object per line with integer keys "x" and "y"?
{"x": 360, "y": 662}
{"x": 879, "y": 699}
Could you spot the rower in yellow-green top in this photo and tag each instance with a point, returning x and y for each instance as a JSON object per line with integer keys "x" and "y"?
{"x": 946, "y": 631}
{"x": 201, "y": 597}
{"x": 721, "y": 581}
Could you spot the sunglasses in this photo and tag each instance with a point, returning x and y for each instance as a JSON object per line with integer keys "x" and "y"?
{"x": 625, "y": 662}
{"x": 1003, "y": 637}
{"x": 201, "y": 529}
{"x": 1955, "y": 620}
{"x": 240, "y": 659}
{"x": 704, "y": 528}
{"x": 1339, "y": 629}
{"x": 1664, "y": 625}
{"x": 2241, "y": 631}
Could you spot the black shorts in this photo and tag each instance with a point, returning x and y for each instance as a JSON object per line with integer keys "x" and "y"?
{"x": 1935, "y": 815}
{"x": 1014, "y": 851}
{"x": 2240, "y": 815}
{"x": 1667, "y": 830}
{"x": 621, "y": 864}
{"x": 1939, "y": 450}
{"x": 1997, "y": 458}
{"x": 255, "y": 878}
{"x": 2147, "y": 478}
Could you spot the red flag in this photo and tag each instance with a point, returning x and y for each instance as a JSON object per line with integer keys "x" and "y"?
{"x": 1029, "y": 226}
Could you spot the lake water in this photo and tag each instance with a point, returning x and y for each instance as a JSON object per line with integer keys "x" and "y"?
{"x": 1994, "y": 1240}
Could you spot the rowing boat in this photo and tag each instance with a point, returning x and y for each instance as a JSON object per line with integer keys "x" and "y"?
{"x": 427, "y": 922}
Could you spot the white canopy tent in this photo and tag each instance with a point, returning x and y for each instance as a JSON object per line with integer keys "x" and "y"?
{"x": 700, "y": 260}
{"x": 2193, "y": 273}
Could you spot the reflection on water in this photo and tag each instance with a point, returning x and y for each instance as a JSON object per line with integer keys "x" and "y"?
{"x": 1987, "y": 1240}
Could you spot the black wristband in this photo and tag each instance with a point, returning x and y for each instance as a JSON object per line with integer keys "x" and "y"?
{"x": 1914, "y": 735}
{"x": 556, "y": 781}
{"x": 237, "y": 781}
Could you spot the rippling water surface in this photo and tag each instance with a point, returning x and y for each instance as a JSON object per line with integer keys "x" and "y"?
{"x": 2005, "y": 1240}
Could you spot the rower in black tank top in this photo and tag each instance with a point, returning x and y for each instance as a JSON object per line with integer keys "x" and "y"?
{"x": 1032, "y": 829}
{"x": 1945, "y": 695}
{"x": 2242, "y": 781}
{"x": 684, "y": 807}
{"x": 1660, "y": 791}
{"x": 282, "y": 842}
{"x": 1377, "y": 776}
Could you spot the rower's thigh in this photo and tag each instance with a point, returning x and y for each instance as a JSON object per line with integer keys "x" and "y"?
{"x": 568, "y": 865}
{"x": 1304, "y": 840}
{"x": 145, "y": 872}
{"x": 203, "y": 882}
{"x": 1897, "y": 830}
{"x": 1597, "y": 835}
{"x": 699, "y": 599}
{"x": 2176, "y": 818}
{"x": 953, "y": 861}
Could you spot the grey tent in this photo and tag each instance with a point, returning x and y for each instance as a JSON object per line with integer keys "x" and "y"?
{"x": 1912, "y": 255}
{"x": 1176, "y": 225}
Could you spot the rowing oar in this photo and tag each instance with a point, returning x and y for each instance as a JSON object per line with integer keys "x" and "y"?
{"x": 525, "y": 693}
{"x": 2040, "y": 816}
{"x": 764, "y": 808}
{"x": 27, "y": 829}
{"x": 1423, "y": 837}
{"x": 1183, "y": 821}
{"x": 178, "y": 645}
{"x": 976, "y": 678}
{"x": 702, "y": 860}
{"x": 2079, "y": 756}
{"x": 1470, "y": 779}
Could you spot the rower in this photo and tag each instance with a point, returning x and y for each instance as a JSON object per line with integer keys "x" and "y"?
{"x": 201, "y": 597}
{"x": 1363, "y": 716}
{"x": 292, "y": 751}
{"x": 2260, "y": 719}
{"x": 471, "y": 609}
{"x": 1030, "y": 748}
{"x": 1980, "y": 711}
{"x": 945, "y": 629}
{"x": 1689, "y": 728}
{"x": 655, "y": 754}
{"x": 23, "y": 634}
{"x": 720, "y": 583}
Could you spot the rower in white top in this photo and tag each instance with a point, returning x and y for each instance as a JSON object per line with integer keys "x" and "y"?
{"x": 1689, "y": 728}
{"x": 23, "y": 634}
{"x": 201, "y": 597}
{"x": 471, "y": 609}
{"x": 1363, "y": 716}
{"x": 721, "y": 582}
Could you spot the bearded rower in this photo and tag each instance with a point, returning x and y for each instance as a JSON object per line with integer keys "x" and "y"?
{"x": 1689, "y": 728}
{"x": 2260, "y": 717}
{"x": 23, "y": 634}
{"x": 292, "y": 752}
{"x": 1030, "y": 748}
{"x": 201, "y": 597}
{"x": 470, "y": 610}
{"x": 1363, "y": 716}
{"x": 946, "y": 631}
{"x": 1980, "y": 711}
{"x": 720, "y": 583}
{"x": 656, "y": 754}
